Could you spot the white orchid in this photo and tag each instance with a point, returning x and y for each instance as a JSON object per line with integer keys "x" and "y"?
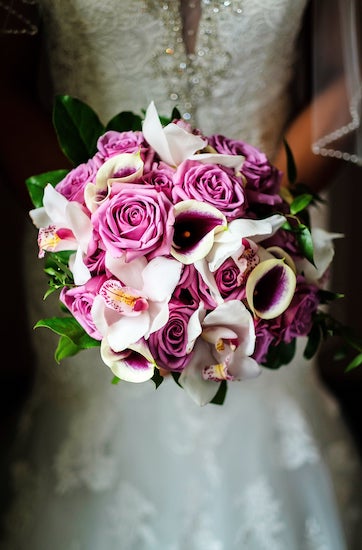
{"x": 134, "y": 304}
{"x": 63, "y": 225}
{"x": 174, "y": 144}
{"x": 221, "y": 343}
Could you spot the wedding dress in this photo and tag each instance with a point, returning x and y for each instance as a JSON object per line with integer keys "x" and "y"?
{"x": 127, "y": 467}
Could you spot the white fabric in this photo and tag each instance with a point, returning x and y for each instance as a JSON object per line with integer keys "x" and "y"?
{"x": 126, "y": 467}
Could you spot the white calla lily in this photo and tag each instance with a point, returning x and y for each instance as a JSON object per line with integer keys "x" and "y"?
{"x": 270, "y": 288}
{"x": 280, "y": 254}
{"x": 122, "y": 168}
{"x": 195, "y": 229}
{"x": 134, "y": 364}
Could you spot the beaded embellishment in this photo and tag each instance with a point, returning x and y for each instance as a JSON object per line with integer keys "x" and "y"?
{"x": 189, "y": 77}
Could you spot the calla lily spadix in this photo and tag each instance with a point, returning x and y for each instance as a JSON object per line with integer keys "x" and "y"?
{"x": 195, "y": 227}
{"x": 270, "y": 288}
{"x": 63, "y": 225}
{"x": 134, "y": 364}
{"x": 122, "y": 168}
{"x": 172, "y": 143}
{"x": 222, "y": 343}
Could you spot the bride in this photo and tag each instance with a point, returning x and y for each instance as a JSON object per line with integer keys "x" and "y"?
{"x": 126, "y": 467}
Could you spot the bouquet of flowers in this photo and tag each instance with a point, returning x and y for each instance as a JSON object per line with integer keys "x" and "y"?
{"x": 175, "y": 251}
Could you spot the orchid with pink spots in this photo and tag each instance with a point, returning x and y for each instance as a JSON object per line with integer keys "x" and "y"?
{"x": 175, "y": 251}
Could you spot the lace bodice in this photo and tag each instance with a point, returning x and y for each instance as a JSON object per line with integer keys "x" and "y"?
{"x": 129, "y": 53}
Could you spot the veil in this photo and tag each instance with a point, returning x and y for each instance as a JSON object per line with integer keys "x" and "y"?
{"x": 336, "y": 78}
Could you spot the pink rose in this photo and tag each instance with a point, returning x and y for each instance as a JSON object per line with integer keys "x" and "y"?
{"x": 113, "y": 143}
{"x": 79, "y": 301}
{"x": 229, "y": 282}
{"x": 136, "y": 220}
{"x": 160, "y": 176}
{"x": 211, "y": 183}
{"x": 95, "y": 258}
{"x": 191, "y": 289}
{"x": 72, "y": 186}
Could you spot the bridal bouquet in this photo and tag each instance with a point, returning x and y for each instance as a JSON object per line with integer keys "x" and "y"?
{"x": 175, "y": 251}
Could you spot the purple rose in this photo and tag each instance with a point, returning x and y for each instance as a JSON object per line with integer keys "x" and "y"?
{"x": 191, "y": 289}
{"x": 160, "y": 176}
{"x": 79, "y": 301}
{"x": 263, "y": 179}
{"x": 211, "y": 183}
{"x": 226, "y": 146}
{"x": 95, "y": 257}
{"x": 136, "y": 220}
{"x": 113, "y": 143}
{"x": 229, "y": 282}
{"x": 263, "y": 340}
{"x": 72, "y": 186}
{"x": 168, "y": 345}
{"x": 231, "y": 277}
{"x": 298, "y": 317}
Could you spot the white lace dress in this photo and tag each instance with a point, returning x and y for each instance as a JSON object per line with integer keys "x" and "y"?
{"x": 126, "y": 467}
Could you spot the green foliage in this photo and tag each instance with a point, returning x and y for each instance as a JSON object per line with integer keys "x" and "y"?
{"x": 77, "y": 127}
{"x": 56, "y": 267}
{"x": 73, "y": 337}
{"x": 124, "y": 122}
{"x": 219, "y": 398}
{"x": 157, "y": 378}
{"x": 36, "y": 184}
{"x": 291, "y": 166}
{"x": 280, "y": 355}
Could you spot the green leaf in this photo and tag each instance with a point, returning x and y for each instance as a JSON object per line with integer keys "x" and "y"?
{"x": 157, "y": 378}
{"x": 326, "y": 296}
{"x": 280, "y": 355}
{"x": 176, "y": 376}
{"x": 305, "y": 241}
{"x": 116, "y": 380}
{"x": 71, "y": 329}
{"x": 175, "y": 115}
{"x": 65, "y": 348}
{"x": 78, "y": 128}
{"x": 300, "y": 203}
{"x": 125, "y": 121}
{"x": 219, "y": 398}
{"x": 356, "y": 362}
{"x": 314, "y": 339}
{"x": 56, "y": 266}
{"x": 36, "y": 184}
{"x": 291, "y": 167}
